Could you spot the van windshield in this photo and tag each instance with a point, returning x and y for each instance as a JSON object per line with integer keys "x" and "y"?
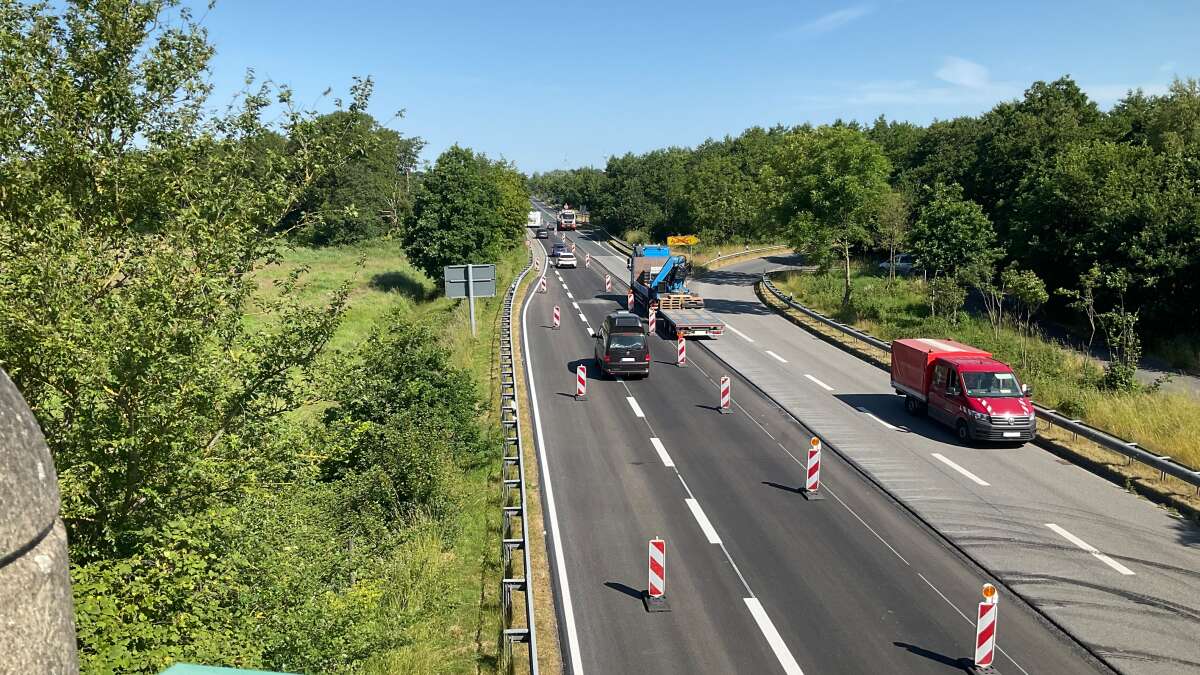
{"x": 626, "y": 341}
{"x": 992, "y": 385}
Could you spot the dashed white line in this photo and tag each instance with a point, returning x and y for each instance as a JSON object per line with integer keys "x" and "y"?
{"x": 773, "y": 638}
{"x": 745, "y": 337}
{"x": 868, "y": 414}
{"x": 950, "y": 463}
{"x": 1090, "y": 549}
{"x": 662, "y": 452}
{"x": 575, "y": 305}
{"x": 819, "y": 383}
{"x": 637, "y": 409}
{"x": 569, "y": 295}
{"x": 582, "y": 317}
{"x": 706, "y": 526}
{"x": 776, "y": 356}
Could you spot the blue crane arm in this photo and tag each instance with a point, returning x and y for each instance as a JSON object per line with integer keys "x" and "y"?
{"x": 665, "y": 272}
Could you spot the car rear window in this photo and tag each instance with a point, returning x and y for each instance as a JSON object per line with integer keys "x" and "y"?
{"x": 626, "y": 341}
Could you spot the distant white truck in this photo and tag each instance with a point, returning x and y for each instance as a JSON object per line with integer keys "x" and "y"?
{"x": 534, "y": 220}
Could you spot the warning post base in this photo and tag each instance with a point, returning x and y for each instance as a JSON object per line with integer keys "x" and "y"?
{"x": 812, "y": 495}
{"x": 653, "y": 604}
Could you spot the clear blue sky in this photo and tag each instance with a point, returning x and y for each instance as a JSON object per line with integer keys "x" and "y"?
{"x": 557, "y": 84}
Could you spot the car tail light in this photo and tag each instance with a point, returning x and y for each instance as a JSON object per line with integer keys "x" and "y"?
{"x": 608, "y": 358}
{"x": 647, "y": 357}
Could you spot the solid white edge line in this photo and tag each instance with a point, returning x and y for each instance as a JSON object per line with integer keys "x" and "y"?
{"x": 773, "y": 638}
{"x": 637, "y": 409}
{"x": 745, "y": 337}
{"x": 568, "y": 616}
{"x": 702, "y": 519}
{"x": 950, "y": 463}
{"x": 819, "y": 383}
{"x": 662, "y": 452}
{"x": 776, "y": 356}
{"x": 1091, "y": 549}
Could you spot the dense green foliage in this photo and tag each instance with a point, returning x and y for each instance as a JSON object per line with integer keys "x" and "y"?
{"x": 1064, "y": 186}
{"x": 469, "y": 209}
{"x": 368, "y": 193}
{"x": 235, "y": 492}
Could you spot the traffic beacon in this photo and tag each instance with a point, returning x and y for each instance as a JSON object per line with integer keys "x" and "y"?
{"x": 812, "y": 471}
{"x": 985, "y": 630}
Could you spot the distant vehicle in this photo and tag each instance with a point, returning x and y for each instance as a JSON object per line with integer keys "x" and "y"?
{"x": 543, "y": 232}
{"x": 565, "y": 259}
{"x": 534, "y": 219}
{"x": 963, "y": 388}
{"x": 621, "y": 347}
{"x": 557, "y": 249}
{"x": 904, "y": 264}
{"x": 659, "y": 278}
{"x": 566, "y": 218}
{"x": 583, "y": 219}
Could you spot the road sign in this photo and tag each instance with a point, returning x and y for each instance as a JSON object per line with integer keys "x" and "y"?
{"x": 685, "y": 240}
{"x": 470, "y": 282}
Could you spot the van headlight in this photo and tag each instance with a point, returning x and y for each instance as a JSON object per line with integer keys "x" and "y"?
{"x": 982, "y": 417}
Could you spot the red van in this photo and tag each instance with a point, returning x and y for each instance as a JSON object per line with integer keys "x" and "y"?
{"x": 963, "y": 388}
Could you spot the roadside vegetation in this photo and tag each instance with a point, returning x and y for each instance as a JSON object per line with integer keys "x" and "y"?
{"x": 273, "y": 437}
{"x": 1062, "y": 378}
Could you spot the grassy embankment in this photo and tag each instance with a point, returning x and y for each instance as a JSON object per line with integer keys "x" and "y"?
{"x": 460, "y": 632}
{"x": 1167, "y": 423}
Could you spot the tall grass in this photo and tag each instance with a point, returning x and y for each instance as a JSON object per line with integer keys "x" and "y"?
{"x": 1062, "y": 378}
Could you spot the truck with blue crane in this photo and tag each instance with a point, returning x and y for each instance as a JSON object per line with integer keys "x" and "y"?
{"x": 658, "y": 279}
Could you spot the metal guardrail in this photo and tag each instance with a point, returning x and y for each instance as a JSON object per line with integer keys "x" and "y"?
{"x": 512, "y": 478}
{"x": 749, "y": 251}
{"x": 1162, "y": 463}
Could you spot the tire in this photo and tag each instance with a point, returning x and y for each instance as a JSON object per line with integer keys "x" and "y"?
{"x": 912, "y": 406}
{"x": 963, "y": 432}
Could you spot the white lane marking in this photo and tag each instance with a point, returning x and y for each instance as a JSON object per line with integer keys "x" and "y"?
{"x": 745, "y": 337}
{"x": 582, "y": 317}
{"x": 890, "y": 426}
{"x": 698, "y": 512}
{"x": 569, "y": 295}
{"x": 575, "y": 305}
{"x": 773, "y": 638}
{"x": 637, "y": 409}
{"x": 551, "y": 510}
{"x": 819, "y": 383}
{"x": 662, "y": 452}
{"x": 776, "y": 356}
{"x": 948, "y": 462}
{"x": 1090, "y": 549}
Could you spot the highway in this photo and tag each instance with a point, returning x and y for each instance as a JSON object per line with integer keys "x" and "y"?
{"x": 759, "y": 579}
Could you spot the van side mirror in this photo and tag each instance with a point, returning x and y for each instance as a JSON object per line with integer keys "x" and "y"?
{"x": 1027, "y": 390}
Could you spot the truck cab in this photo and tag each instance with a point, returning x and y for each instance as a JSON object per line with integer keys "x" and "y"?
{"x": 965, "y": 389}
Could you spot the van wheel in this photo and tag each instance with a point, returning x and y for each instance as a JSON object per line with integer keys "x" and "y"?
{"x": 964, "y": 434}
{"x": 912, "y": 406}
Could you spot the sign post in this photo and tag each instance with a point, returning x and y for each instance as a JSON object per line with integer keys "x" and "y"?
{"x": 470, "y": 282}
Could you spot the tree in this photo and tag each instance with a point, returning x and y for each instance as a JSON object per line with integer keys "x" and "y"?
{"x": 1120, "y": 333}
{"x": 1027, "y": 291}
{"x": 1083, "y": 299}
{"x": 946, "y": 297}
{"x": 469, "y": 210}
{"x": 829, "y": 185}
{"x": 367, "y": 193}
{"x": 131, "y": 225}
{"x": 893, "y": 221}
{"x": 951, "y": 233}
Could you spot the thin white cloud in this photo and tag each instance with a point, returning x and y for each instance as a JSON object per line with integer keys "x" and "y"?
{"x": 834, "y": 20}
{"x": 964, "y": 73}
{"x": 1168, "y": 67}
{"x": 1108, "y": 94}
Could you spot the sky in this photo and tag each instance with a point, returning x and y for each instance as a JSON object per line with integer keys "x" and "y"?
{"x": 551, "y": 85}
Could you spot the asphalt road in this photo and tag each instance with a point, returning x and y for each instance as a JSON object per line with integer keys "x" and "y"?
{"x": 758, "y": 578}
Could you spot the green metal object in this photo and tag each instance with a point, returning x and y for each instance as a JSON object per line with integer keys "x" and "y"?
{"x": 192, "y": 669}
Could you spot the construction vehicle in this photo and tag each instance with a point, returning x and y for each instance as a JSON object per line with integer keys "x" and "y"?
{"x": 583, "y": 219}
{"x": 658, "y": 280}
{"x": 566, "y": 218}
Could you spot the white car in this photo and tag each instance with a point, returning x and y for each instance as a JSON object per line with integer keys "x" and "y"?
{"x": 565, "y": 259}
{"x": 904, "y": 264}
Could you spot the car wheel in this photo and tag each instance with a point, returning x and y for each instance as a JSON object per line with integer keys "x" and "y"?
{"x": 912, "y": 406}
{"x": 963, "y": 433}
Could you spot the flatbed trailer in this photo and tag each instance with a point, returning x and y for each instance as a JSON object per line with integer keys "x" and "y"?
{"x": 691, "y": 322}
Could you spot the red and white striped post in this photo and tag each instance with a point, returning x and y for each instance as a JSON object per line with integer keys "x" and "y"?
{"x": 607, "y": 284}
{"x": 985, "y": 629}
{"x": 629, "y": 299}
{"x": 681, "y": 351}
{"x": 587, "y": 259}
{"x": 652, "y": 317}
{"x": 725, "y": 398}
{"x": 557, "y": 317}
{"x": 537, "y": 263}
{"x": 656, "y": 576}
{"x": 812, "y": 470}
{"x": 581, "y": 382}
{"x": 542, "y": 285}
{"x": 572, "y": 248}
